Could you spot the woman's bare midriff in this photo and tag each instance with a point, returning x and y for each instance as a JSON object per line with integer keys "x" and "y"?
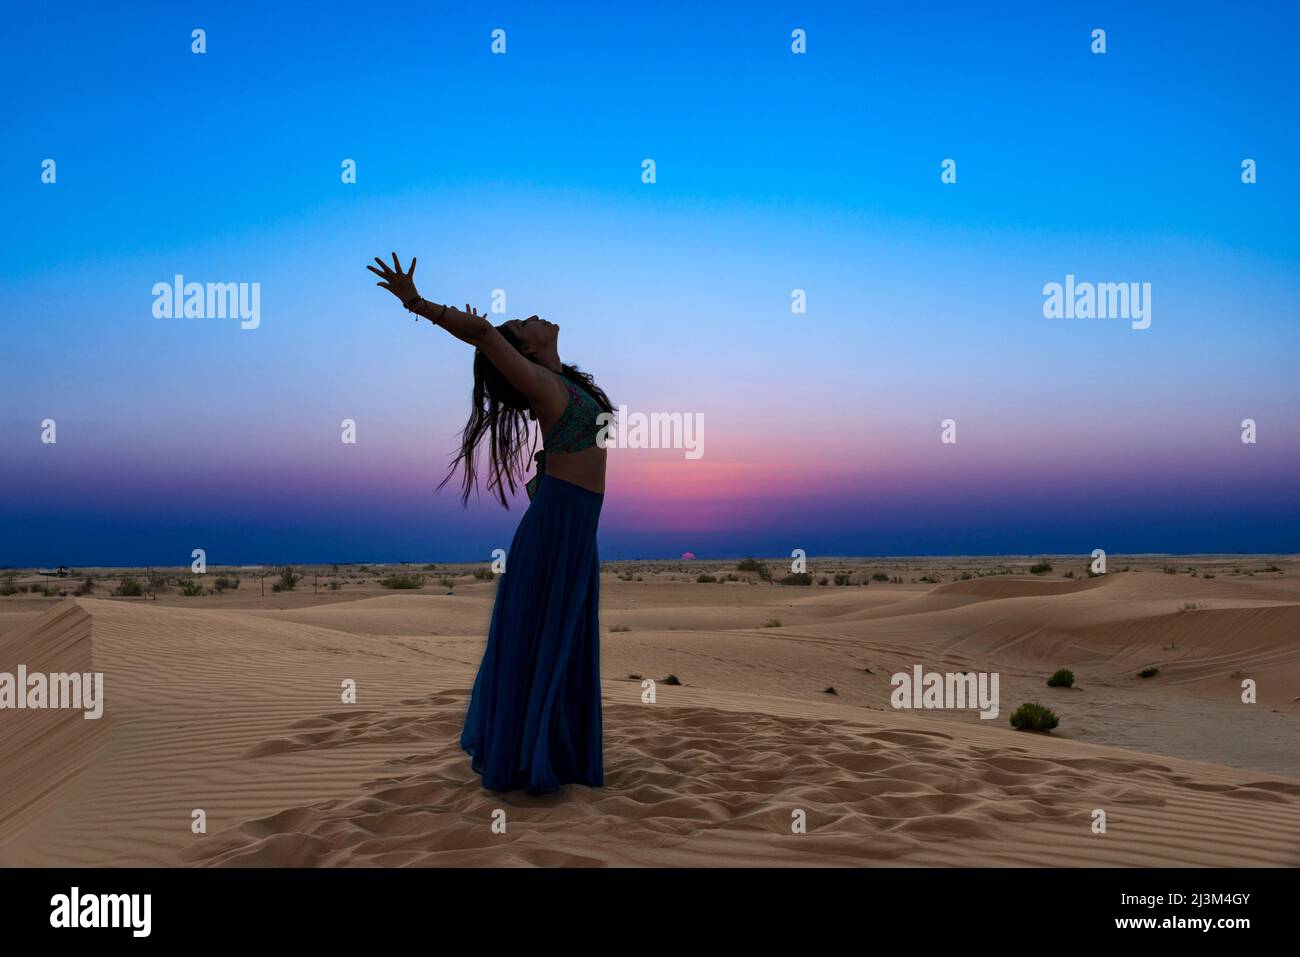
{"x": 585, "y": 468}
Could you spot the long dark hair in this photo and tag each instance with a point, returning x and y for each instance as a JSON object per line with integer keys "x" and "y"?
{"x": 501, "y": 412}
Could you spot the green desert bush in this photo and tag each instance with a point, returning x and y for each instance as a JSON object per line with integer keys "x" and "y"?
{"x": 190, "y": 587}
{"x": 288, "y": 579}
{"x": 1040, "y": 568}
{"x": 484, "y": 574}
{"x": 1032, "y": 716}
{"x": 404, "y": 581}
{"x": 1061, "y": 678}
{"x": 704, "y": 579}
{"x": 1148, "y": 672}
{"x": 773, "y": 623}
{"x": 128, "y": 587}
{"x": 620, "y": 628}
{"x": 879, "y": 577}
{"x": 797, "y": 578}
{"x": 753, "y": 565}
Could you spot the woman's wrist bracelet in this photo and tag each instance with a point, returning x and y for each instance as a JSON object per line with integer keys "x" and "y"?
{"x": 410, "y": 304}
{"x": 414, "y": 304}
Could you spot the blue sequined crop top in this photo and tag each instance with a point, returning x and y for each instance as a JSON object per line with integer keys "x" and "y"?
{"x": 575, "y": 430}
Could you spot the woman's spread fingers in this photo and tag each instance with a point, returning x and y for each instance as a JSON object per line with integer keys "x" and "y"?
{"x": 374, "y": 270}
{"x": 412, "y": 271}
{"x": 397, "y": 266}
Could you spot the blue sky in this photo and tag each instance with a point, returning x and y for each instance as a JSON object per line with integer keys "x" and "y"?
{"x": 775, "y": 172}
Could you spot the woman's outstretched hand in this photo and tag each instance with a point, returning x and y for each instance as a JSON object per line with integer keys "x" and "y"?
{"x": 400, "y": 284}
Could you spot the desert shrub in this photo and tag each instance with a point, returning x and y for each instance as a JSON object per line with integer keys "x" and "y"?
{"x": 620, "y": 628}
{"x": 797, "y": 578}
{"x": 843, "y": 578}
{"x": 1148, "y": 672}
{"x": 192, "y": 586}
{"x": 86, "y": 587}
{"x": 704, "y": 579}
{"x": 773, "y": 623}
{"x": 753, "y": 565}
{"x": 930, "y": 579}
{"x": 880, "y": 577}
{"x": 1061, "y": 678}
{"x": 672, "y": 680}
{"x": 1032, "y": 716}
{"x": 404, "y": 581}
{"x": 128, "y": 587}
{"x": 226, "y": 584}
{"x": 1040, "y": 568}
{"x": 288, "y": 579}
{"x": 334, "y": 586}
{"x": 484, "y": 574}
{"x": 8, "y": 588}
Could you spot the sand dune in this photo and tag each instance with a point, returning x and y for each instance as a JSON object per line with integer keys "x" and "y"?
{"x": 234, "y": 709}
{"x": 42, "y": 749}
{"x": 697, "y": 786}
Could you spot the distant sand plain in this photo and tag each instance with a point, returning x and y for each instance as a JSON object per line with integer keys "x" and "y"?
{"x": 777, "y": 709}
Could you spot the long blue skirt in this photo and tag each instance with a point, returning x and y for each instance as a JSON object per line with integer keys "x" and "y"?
{"x": 534, "y": 719}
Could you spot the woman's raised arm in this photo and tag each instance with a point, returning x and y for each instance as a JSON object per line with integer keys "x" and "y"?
{"x": 468, "y": 326}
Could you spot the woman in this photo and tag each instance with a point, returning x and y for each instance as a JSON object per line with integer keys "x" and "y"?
{"x": 534, "y": 719}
